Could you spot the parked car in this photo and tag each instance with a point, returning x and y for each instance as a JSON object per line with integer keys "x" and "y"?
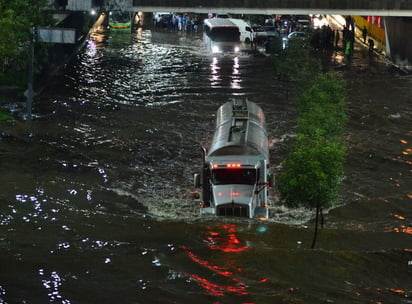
{"x": 298, "y": 36}
{"x": 303, "y": 21}
{"x": 263, "y": 33}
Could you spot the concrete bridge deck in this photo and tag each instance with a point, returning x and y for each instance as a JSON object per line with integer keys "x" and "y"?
{"x": 385, "y": 8}
{"x": 327, "y": 7}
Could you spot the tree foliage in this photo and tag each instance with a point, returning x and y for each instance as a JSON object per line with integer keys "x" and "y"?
{"x": 295, "y": 62}
{"x": 17, "y": 17}
{"x": 313, "y": 172}
{"x": 314, "y": 169}
{"x": 322, "y": 107}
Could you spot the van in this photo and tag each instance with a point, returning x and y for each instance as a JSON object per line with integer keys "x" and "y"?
{"x": 247, "y": 34}
{"x": 161, "y": 19}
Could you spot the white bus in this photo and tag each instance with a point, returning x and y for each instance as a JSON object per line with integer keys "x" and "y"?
{"x": 221, "y": 35}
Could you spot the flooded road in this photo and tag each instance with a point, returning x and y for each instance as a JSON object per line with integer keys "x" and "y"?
{"x": 95, "y": 195}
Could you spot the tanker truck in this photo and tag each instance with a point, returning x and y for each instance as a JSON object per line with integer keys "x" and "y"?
{"x": 235, "y": 177}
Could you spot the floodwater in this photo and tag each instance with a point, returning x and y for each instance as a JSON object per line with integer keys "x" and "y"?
{"x": 96, "y": 201}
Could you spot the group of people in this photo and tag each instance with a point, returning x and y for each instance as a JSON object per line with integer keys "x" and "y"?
{"x": 325, "y": 38}
{"x": 178, "y": 22}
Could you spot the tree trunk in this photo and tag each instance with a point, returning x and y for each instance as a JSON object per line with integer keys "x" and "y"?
{"x": 316, "y": 228}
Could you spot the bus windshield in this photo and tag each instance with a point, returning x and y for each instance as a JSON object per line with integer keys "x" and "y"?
{"x": 221, "y": 34}
{"x": 234, "y": 176}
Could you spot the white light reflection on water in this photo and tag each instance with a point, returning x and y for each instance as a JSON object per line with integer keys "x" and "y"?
{"x": 63, "y": 245}
{"x": 53, "y": 283}
{"x": 31, "y": 200}
{"x": 215, "y": 78}
{"x": 218, "y": 68}
{"x": 235, "y": 74}
{"x": 104, "y": 175}
{"x": 91, "y": 48}
{"x": 2, "y": 293}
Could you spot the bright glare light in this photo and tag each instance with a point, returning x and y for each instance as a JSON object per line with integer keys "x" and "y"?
{"x": 215, "y": 49}
{"x": 92, "y": 12}
{"x": 237, "y": 49}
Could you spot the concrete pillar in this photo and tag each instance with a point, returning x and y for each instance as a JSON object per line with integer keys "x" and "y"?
{"x": 398, "y": 41}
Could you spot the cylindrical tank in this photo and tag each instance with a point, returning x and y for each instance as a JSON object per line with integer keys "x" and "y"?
{"x": 240, "y": 130}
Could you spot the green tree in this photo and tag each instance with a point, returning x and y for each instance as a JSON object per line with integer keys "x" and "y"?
{"x": 17, "y": 17}
{"x": 313, "y": 171}
{"x": 295, "y": 63}
{"x": 322, "y": 106}
{"x": 326, "y": 88}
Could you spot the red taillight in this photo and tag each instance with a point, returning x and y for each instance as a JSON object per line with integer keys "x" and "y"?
{"x": 235, "y": 193}
{"x": 233, "y": 165}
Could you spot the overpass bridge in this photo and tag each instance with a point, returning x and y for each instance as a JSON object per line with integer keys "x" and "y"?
{"x": 326, "y": 7}
{"x": 397, "y": 14}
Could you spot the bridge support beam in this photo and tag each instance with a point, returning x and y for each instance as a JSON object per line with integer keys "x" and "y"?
{"x": 398, "y": 40}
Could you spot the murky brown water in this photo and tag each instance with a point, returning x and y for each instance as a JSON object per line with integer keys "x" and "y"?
{"x": 95, "y": 203}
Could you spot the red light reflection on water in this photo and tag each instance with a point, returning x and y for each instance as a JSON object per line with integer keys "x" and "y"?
{"x": 407, "y": 151}
{"x": 404, "y": 229}
{"x": 226, "y": 242}
{"x": 399, "y": 216}
{"x": 216, "y": 269}
{"x": 398, "y": 291}
{"x": 213, "y": 288}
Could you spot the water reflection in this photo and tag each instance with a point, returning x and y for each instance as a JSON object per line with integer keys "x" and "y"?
{"x": 219, "y": 68}
{"x": 226, "y": 240}
{"x": 235, "y": 84}
{"x": 222, "y": 238}
{"x": 215, "y": 78}
{"x": 53, "y": 283}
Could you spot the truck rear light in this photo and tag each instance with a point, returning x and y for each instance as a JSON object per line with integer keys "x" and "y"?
{"x": 233, "y": 165}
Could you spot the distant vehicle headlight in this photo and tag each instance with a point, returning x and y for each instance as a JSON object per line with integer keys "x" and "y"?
{"x": 237, "y": 49}
{"x": 215, "y": 49}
